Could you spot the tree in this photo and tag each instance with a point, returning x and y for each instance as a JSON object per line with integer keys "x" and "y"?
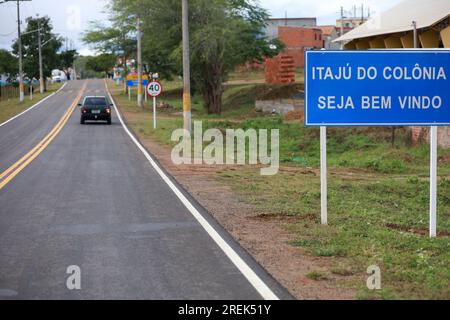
{"x": 83, "y": 70}
{"x": 8, "y": 63}
{"x": 102, "y": 63}
{"x": 67, "y": 58}
{"x": 224, "y": 34}
{"x": 30, "y": 50}
{"x": 118, "y": 39}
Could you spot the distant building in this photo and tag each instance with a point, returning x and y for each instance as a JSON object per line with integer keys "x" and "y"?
{"x": 349, "y": 24}
{"x": 299, "y": 39}
{"x": 271, "y": 29}
{"x": 329, "y": 34}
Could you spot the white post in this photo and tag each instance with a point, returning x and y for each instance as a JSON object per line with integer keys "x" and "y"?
{"x": 154, "y": 112}
{"x": 145, "y": 94}
{"x": 31, "y": 91}
{"x": 129, "y": 93}
{"x": 433, "y": 180}
{"x": 323, "y": 175}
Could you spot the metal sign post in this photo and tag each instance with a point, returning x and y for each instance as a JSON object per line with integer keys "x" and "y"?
{"x": 323, "y": 175}
{"x": 154, "y": 89}
{"x": 433, "y": 180}
{"x": 378, "y": 88}
{"x": 154, "y": 112}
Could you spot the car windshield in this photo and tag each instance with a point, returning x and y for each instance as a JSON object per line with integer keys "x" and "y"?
{"x": 95, "y": 102}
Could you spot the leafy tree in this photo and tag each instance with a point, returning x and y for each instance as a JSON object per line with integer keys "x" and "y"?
{"x": 8, "y": 63}
{"x": 118, "y": 39}
{"x": 102, "y": 63}
{"x": 30, "y": 48}
{"x": 83, "y": 71}
{"x": 67, "y": 58}
{"x": 223, "y": 35}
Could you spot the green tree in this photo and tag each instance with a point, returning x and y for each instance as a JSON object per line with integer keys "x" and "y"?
{"x": 118, "y": 39}
{"x": 30, "y": 48}
{"x": 102, "y": 63}
{"x": 67, "y": 58}
{"x": 223, "y": 34}
{"x": 8, "y": 63}
{"x": 83, "y": 71}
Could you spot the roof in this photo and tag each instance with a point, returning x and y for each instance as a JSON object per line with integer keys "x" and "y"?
{"x": 326, "y": 30}
{"x": 400, "y": 18}
{"x": 300, "y": 28}
{"x": 304, "y": 18}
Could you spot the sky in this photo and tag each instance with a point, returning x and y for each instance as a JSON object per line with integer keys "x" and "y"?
{"x": 71, "y": 17}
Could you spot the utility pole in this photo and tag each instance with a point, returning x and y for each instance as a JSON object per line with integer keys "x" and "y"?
{"x": 41, "y": 72}
{"x": 342, "y": 26}
{"x": 414, "y": 23}
{"x": 362, "y": 14}
{"x": 21, "y": 94}
{"x": 19, "y": 41}
{"x": 139, "y": 62}
{"x": 186, "y": 69}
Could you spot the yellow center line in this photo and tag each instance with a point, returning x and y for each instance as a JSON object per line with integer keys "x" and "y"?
{"x": 19, "y": 165}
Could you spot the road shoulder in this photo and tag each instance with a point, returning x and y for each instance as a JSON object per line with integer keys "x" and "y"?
{"x": 266, "y": 238}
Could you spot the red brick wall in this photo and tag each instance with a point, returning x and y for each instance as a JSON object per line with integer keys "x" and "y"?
{"x": 297, "y": 39}
{"x": 279, "y": 69}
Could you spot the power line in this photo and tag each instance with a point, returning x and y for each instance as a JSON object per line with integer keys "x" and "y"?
{"x": 7, "y": 34}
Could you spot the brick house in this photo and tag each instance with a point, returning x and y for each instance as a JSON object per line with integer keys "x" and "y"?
{"x": 299, "y": 39}
{"x": 329, "y": 34}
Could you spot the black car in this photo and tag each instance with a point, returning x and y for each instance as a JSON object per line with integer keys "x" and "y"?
{"x": 95, "y": 108}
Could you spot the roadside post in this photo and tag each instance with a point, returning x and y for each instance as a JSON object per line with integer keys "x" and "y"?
{"x": 154, "y": 89}
{"x": 378, "y": 88}
{"x": 323, "y": 176}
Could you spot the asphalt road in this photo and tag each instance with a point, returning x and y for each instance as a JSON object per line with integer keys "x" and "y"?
{"x": 92, "y": 199}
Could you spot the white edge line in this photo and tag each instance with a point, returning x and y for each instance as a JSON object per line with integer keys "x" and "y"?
{"x": 252, "y": 277}
{"x": 33, "y": 106}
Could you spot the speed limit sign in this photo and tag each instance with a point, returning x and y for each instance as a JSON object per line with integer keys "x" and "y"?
{"x": 154, "y": 88}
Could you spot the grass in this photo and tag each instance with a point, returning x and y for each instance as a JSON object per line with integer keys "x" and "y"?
{"x": 10, "y": 108}
{"x": 317, "y": 275}
{"x": 373, "y": 219}
{"x": 378, "y": 194}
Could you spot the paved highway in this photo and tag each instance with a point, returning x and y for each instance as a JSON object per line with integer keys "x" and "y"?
{"x": 89, "y": 196}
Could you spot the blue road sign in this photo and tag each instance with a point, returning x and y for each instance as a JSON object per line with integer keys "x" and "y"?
{"x": 134, "y": 83}
{"x": 377, "y": 88}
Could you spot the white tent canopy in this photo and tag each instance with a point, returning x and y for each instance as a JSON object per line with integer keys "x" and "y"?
{"x": 399, "y": 19}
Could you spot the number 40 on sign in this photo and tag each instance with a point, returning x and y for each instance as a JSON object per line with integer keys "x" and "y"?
{"x": 154, "y": 89}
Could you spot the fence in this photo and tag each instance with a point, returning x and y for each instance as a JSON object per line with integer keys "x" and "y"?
{"x": 8, "y": 92}
{"x": 12, "y": 92}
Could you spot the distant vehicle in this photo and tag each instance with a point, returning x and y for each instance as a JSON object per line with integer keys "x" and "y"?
{"x": 95, "y": 108}
{"x": 58, "y": 76}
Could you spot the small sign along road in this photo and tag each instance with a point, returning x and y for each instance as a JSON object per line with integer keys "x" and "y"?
{"x": 373, "y": 87}
{"x": 154, "y": 89}
{"x": 132, "y": 80}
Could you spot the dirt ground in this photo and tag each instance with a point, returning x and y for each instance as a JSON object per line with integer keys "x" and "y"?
{"x": 265, "y": 237}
